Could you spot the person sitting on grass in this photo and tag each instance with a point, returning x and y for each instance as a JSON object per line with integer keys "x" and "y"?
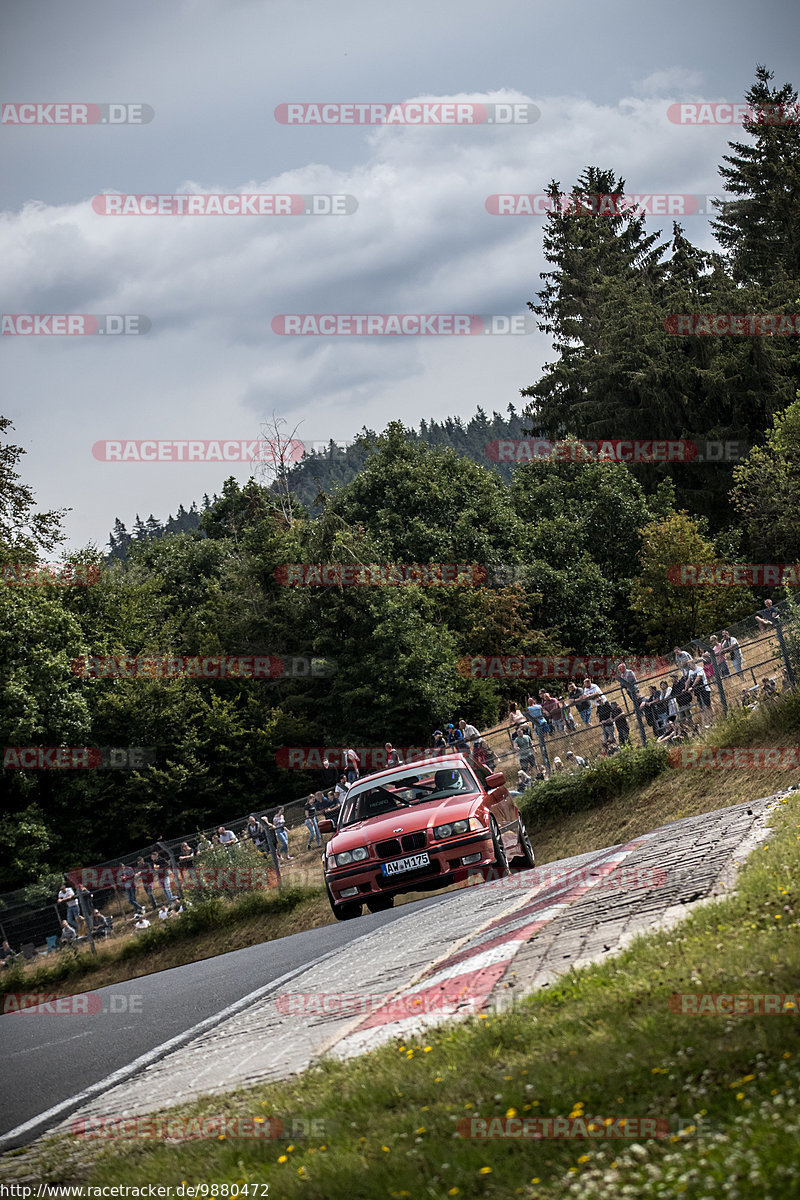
{"x": 141, "y": 922}
{"x": 671, "y": 732}
{"x": 69, "y": 935}
{"x": 101, "y": 925}
{"x": 769, "y": 687}
{"x": 575, "y": 760}
{"x": 163, "y": 912}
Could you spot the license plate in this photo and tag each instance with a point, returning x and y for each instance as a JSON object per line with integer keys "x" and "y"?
{"x": 412, "y": 863}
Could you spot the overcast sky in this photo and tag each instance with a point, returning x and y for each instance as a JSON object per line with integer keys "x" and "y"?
{"x": 420, "y": 240}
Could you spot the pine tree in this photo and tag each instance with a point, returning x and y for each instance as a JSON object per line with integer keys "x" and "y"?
{"x": 760, "y": 229}
{"x": 599, "y": 304}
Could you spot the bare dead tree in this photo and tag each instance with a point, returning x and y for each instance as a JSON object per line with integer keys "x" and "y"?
{"x": 278, "y": 452}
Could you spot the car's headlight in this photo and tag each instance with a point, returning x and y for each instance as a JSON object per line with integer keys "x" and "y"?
{"x": 351, "y": 856}
{"x": 446, "y": 831}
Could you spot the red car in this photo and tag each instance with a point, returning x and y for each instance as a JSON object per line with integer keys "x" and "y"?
{"x": 419, "y": 827}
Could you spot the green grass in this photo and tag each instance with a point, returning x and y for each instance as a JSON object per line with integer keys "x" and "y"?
{"x": 603, "y": 1042}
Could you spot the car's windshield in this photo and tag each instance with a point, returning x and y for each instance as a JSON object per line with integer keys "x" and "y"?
{"x": 402, "y": 789}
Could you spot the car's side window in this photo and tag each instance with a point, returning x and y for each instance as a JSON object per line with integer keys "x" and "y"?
{"x": 482, "y": 772}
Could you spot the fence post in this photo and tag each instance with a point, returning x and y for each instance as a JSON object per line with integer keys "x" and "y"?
{"x": 785, "y": 653}
{"x": 543, "y": 748}
{"x": 718, "y": 678}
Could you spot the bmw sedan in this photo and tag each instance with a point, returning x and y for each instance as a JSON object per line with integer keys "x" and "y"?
{"x": 419, "y": 827}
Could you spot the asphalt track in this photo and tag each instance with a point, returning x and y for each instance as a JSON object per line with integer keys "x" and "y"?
{"x": 49, "y": 1057}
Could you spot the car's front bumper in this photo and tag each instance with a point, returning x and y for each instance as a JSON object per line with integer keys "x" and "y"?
{"x": 446, "y": 866}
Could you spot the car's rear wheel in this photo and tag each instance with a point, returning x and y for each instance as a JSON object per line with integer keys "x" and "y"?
{"x": 380, "y": 903}
{"x": 526, "y": 860}
{"x": 500, "y": 866}
{"x": 344, "y": 912}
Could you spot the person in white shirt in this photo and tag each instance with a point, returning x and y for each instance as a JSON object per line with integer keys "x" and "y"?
{"x": 67, "y": 895}
{"x": 227, "y": 837}
{"x": 163, "y": 912}
{"x": 593, "y": 693}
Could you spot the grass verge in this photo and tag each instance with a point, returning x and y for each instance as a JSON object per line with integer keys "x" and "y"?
{"x": 605, "y": 1044}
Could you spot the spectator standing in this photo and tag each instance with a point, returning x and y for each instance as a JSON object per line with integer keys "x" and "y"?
{"x": 582, "y": 706}
{"x": 279, "y": 824}
{"x": 718, "y": 650}
{"x": 352, "y": 765}
{"x": 160, "y": 865}
{"x": 731, "y": 644}
{"x": 682, "y": 657}
{"x": 470, "y": 735}
{"x": 621, "y": 722}
{"x": 439, "y": 744}
{"x": 393, "y": 757}
{"x": 127, "y": 879}
{"x": 593, "y": 694}
{"x": 6, "y": 954}
{"x": 311, "y": 823}
{"x": 185, "y": 858}
{"x": 340, "y": 790}
{"x": 524, "y": 747}
{"x": 697, "y": 681}
{"x": 67, "y": 896}
{"x": 536, "y": 714}
{"x": 144, "y": 874}
{"x": 605, "y": 717}
{"x": 551, "y": 707}
{"x": 628, "y": 680}
{"x": 227, "y": 837}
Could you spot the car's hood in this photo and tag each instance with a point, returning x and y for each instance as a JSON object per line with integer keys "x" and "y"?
{"x": 406, "y": 820}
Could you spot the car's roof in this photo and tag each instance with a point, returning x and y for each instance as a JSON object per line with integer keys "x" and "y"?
{"x": 443, "y": 760}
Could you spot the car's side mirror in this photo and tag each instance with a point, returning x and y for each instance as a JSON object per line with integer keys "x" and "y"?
{"x": 496, "y": 780}
{"x": 325, "y": 826}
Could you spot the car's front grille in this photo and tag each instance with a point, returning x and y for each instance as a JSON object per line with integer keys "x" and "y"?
{"x": 393, "y": 847}
{"x": 388, "y": 849}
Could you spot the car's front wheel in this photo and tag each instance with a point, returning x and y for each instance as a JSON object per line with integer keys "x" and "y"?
{"x": 499, "y": 867}
{"x": 526, "y": 860}
{"x": 344, "y": 912}
{"x": 380, "y": 903}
